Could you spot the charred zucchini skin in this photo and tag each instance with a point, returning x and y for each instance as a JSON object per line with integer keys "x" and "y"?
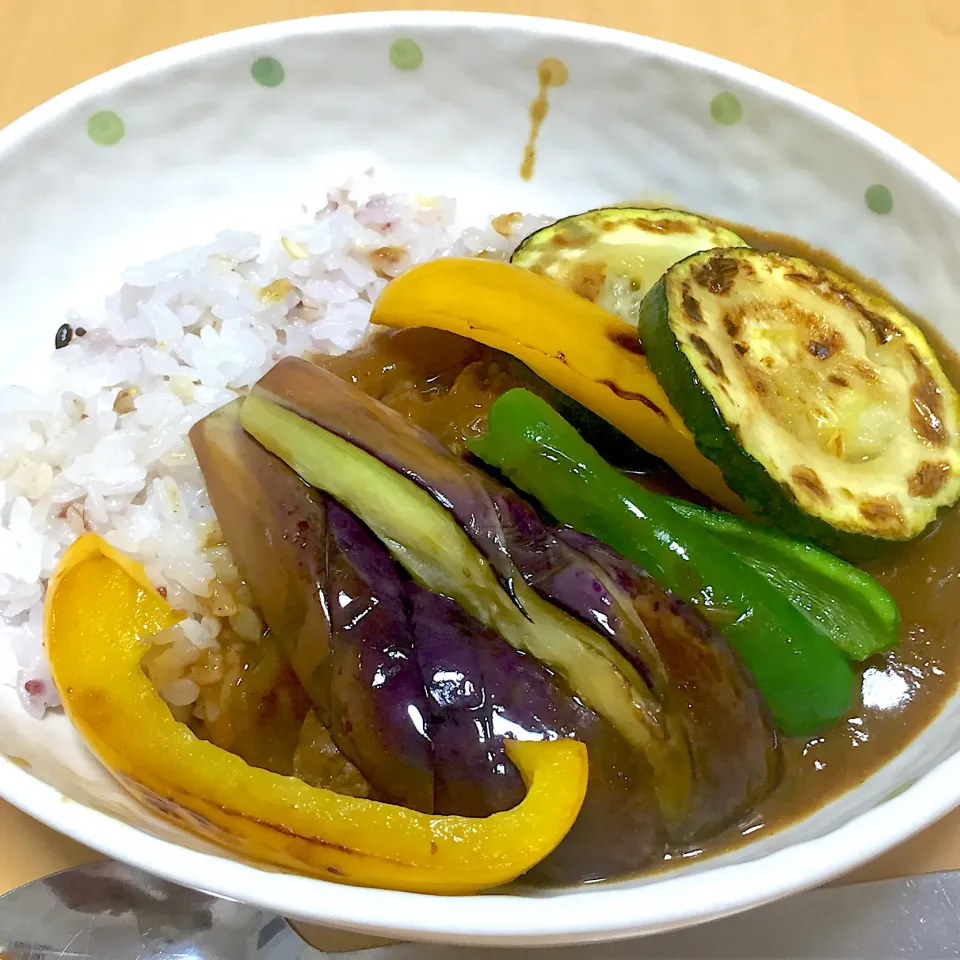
{"x": 720, "y": 442}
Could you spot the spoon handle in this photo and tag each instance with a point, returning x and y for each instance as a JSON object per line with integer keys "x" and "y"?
{"x": 109, "y": 911}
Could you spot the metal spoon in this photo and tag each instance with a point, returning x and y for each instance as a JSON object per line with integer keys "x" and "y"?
{"x": 107, "y": 911}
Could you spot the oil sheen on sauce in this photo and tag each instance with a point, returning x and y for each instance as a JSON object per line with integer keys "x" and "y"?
{"x": 550, "y": 73}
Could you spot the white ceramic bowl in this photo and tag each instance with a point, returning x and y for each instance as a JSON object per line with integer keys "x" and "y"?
{"x": 209, "y": 141}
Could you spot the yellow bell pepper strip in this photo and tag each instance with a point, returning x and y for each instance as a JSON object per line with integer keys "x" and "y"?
{"x": 100, "y": 607}
{"x": 576, "y": 346}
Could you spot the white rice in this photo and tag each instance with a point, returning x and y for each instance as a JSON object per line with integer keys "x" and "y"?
{"x": 108, "y": 450}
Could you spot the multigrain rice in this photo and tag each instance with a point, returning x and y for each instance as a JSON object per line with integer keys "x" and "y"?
{"x": 107, "y": 451}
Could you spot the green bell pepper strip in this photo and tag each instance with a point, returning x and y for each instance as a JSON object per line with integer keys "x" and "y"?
{"x": 806, "y": 681}
{"x": 840, "y": 600}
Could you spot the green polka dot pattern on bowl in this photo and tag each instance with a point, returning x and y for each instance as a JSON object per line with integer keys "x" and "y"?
{"x": 726, "y": 109}
{"x": 878, "y": 198}
{"x": 105, "y": 128}
{"x": 267, "y": 71}
{"x": 405, "y": 54}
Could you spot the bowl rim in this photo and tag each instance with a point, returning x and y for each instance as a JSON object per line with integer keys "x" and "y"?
{"x": 578, "y": 915}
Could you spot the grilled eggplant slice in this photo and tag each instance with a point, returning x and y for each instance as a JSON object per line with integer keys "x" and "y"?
{"x": 260, "y": 501}
{"x": 614, "y": 255}
{"x": 825, "y": 407}
{"x": 427, "y": 541}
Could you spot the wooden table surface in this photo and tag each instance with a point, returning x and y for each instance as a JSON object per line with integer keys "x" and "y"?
{"x": 894, "y": 62}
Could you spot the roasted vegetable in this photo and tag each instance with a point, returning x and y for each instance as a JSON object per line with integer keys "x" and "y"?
{"x": 455, "y": 654}
{"x": 733, "y": 747}
{"x": 260, "y": 501}
{"x": 511, "y": 536}
{"x": 579, "y": 348}
{"x": 276, "y": 528}
{"x": 688, "y": 666}
{"x": 614, "y": 255}
{"x": 427, "y": 541}
{"x": 850, "y": 606}
{"x": 825, "y": 408}
{"x": 477, "y": 683}
{"x": 100, "y": 608}
{"x": 378, "y": 706}
{"x": 336, "y": 406}
{"x": 805, "y": 680}
{"x": 479, "y": 690}
{"x": 326, "y": 585}
{"x": 489, "y": 516}
{"x": 430, "y": 692}
{"x": 317, "y": 761}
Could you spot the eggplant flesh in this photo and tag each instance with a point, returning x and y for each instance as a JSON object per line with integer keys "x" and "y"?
{"x": 708, "y": 701}
{"x": 479, "y": 691}
{"x": 426, "y": 540}
{"x": 332, "y": 403}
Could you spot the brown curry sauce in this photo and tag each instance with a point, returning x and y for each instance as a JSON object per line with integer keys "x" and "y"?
{"x": 551, "y": 72}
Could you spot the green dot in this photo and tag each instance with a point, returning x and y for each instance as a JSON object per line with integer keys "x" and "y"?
{"x": 105, "y": 128}
{"x": 725, "y": 108}
{"x": 879, "y": 198}
{"x": 405, "y": 54}
{"x": 267, "y": 71}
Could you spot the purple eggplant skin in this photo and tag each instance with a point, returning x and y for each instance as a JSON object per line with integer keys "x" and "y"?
{"x": 379, "y": 716}
{"x": 690, "y": 668}
{"x": 333, "y": 600}
{"x": 709, "y": 700}
{"x": 482, "y": 691}
{"x": 275, "y": 526}
{"x": 573, "y": 582}
{"x": 478, "y": 690}
{"x": 733, "y": 743}
{"x": 620, "y": 829}
{"x": 474, "y": 778}
{"x": 283, "y": 535}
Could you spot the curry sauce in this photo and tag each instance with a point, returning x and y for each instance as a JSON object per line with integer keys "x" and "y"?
{"x": 447, "y": 384}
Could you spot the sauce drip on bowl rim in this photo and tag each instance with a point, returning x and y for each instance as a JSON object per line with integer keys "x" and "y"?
{"x": 550, "y": 73}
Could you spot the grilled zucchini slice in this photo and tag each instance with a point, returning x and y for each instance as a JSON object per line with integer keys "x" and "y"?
{"x": 614, "y": 255}
{"x": 824, "y": 407}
